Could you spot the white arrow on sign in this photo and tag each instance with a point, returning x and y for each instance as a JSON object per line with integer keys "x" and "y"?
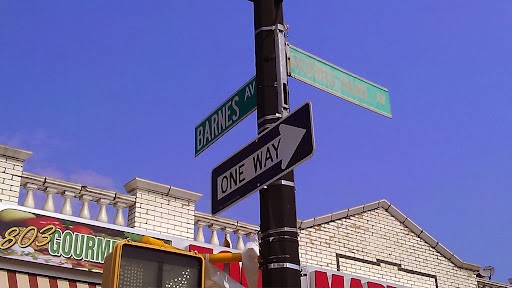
{"x": 279, "y": 149}
{"x": 291, "y": 138}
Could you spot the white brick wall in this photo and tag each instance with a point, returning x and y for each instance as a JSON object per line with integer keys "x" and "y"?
{"x": 162, "y": 208}
{"x": 11, "y": 167}
{"x": 376, "y": 235}
{"x": 168, "y": 216}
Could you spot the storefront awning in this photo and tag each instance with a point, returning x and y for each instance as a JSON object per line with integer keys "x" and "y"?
{"x": 15, "y": 279}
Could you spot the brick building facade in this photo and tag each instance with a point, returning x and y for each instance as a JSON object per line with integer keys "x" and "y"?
{"x": 377, "y": 241}
{"x": 370, "y": 246}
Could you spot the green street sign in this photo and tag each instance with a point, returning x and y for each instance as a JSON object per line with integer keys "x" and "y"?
{"x": 334, "y": 80}
{"x": 226, "y": 116}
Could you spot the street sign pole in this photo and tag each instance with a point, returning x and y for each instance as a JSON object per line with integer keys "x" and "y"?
{"x": 279, "y": 245}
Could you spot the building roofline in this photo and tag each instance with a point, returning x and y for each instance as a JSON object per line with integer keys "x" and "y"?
{"x": 393, "y": 211}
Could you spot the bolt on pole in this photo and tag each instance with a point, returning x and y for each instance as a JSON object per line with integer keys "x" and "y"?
{"x": 279, "y": 245}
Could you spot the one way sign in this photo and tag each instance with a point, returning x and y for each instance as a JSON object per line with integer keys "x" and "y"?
{"x": 287, "y": 144}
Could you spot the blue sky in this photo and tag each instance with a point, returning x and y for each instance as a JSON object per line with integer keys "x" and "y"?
{"x": 105, "y": 91}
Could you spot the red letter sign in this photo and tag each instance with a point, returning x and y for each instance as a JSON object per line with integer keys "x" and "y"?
{"x": 322, "y": 281}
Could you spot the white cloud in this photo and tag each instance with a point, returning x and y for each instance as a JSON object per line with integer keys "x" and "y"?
{"x": 82, "y": 177}
{"x": 31, "y": 140}
{"x": 50, "y": 172}
{"x": 15, "y": 140}
{"x": 43, "y": 145}
{"x": 91, "y": 178}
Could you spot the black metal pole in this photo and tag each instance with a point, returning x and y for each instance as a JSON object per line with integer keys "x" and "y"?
{"x": 279, "y": 245}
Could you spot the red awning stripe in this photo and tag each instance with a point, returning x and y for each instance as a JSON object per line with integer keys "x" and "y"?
{"x": 53, "y": 283}
{"x": 11, "y": 278}
{"x": 32, "y": 280}
{"x": 16, "y": 279}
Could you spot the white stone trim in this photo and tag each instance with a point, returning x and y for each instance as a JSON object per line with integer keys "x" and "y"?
{"x": 15, "y": 153}
{"x": 153, "y": 187}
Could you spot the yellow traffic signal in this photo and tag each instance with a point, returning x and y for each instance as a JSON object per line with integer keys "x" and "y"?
{"x": 139, "y": 265}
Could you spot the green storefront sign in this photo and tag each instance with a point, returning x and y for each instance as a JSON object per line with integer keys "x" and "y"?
{"x": 334, "y": 80}
{"x": 30, "y": 236}
{"x": 226, "y": 116}
{"x": 80, "y": 246}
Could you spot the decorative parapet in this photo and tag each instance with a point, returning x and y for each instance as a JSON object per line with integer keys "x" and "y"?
{"x": 69, "y": 190}
{"x": 31, "y": 183}
{"x": 120, "y": 202}
{"x": 100, "y": 196}
{"x": 227, "y": 226}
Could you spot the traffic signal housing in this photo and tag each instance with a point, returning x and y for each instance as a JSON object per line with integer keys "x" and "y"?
{"x": 140, "y": 265}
